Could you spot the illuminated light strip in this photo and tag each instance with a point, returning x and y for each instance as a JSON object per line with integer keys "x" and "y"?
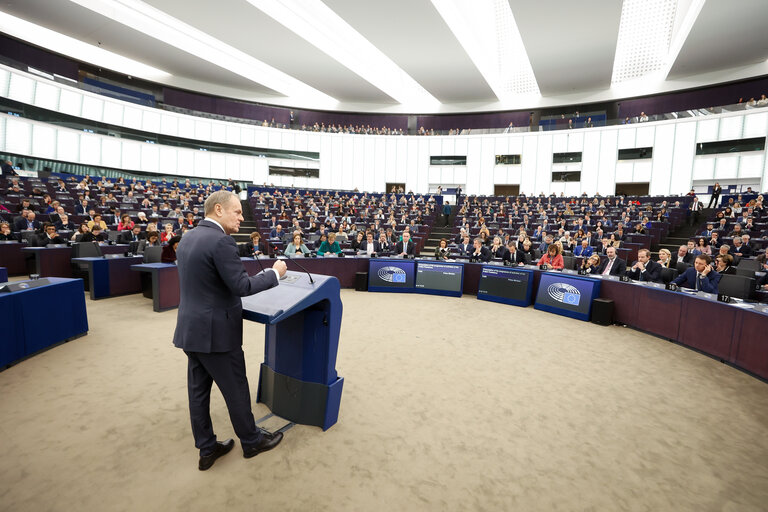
{"x": 489, "y": 34}
{"x": 648, "y": 43}
{"x": 163, "y": 27}
{"x": 60, "y": 43}
{"x": 316, "y": 23}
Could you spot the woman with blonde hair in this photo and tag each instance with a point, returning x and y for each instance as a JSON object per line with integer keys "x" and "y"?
{"x": 665, "y": 258}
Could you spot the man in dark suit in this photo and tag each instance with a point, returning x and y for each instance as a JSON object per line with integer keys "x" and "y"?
{"x": 28, "y": 223}
{"x": 209, "y": 327}
{"x": 513, "y": 256}
{"x": 682, "y": 255}
{"x": 739, "y": 249}
{"x": 465, "y": 248}
{"x": 700, "y": 277}
{"x": 405, "y": 247}
{"x": 613, "y": 265}
{"x": 49, "y": 237}
{"x": 82, "y": 208}
{"x": 134, "y": 235}
{"x": 480, "y": 253}
{"x": 64, "y": 225}
{"x": 369, "y": 245}
{"x": 645, "y": 269}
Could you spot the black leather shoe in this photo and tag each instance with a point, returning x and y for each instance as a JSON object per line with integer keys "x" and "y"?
{"x": 268, "y": 441}
{"x": 206, "y": 461}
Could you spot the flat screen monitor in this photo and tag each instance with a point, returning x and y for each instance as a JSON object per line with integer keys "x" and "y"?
{"x": 391, "y": 275}
{"x": 438, "y": 278}
{"x": 506, "y": 285}
{"x": 567, "y": 295}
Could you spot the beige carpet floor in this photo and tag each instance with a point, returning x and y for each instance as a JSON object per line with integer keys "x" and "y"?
{"x": 448, "y": 404}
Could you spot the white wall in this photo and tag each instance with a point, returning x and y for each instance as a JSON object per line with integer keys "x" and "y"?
{"x": 368, "y": 162}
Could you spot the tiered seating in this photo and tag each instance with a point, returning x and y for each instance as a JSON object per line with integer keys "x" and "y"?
{"x": 359, "y": 210}
{"x": 562, "y": 217}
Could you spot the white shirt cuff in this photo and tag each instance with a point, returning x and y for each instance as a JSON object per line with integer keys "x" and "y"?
{"x": 277, "y": 274}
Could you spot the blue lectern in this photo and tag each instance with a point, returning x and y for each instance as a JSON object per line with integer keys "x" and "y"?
{"x": 298, "y": 379}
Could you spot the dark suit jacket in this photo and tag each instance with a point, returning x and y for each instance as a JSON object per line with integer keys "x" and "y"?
{"x": 618, "y": 269}
{"x": 408, "y": 250}
{"x": 43, "y": 240}
{"x": 364, "y": 246}
{"x": 211, "y": 280}
{"x": 90, "y": 237}
{"x": 652, "y": 273}
{"x": 745, "y": 250}
{"x": 513, "y": 259}
{"x": 484, "y": 256}
{"x": 126, "y": 237}
{"x": 708, "y": 283}
{"x": 688, "y": 259}
{"x": 247, "y": 249}
{"x": 466, "y": 249}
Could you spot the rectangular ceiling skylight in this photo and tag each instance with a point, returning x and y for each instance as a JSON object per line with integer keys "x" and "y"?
{"x": 319, "y": 25}
{"x": 159, "y": 25}
{"x": 487, "y": 31}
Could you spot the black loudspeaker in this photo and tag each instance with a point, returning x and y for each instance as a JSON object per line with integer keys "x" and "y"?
{"x": 361, "y": 281}
{"x": 602, "y": 311}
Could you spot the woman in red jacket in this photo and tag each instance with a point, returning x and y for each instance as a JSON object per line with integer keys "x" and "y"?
{"x": 553, "y": 259}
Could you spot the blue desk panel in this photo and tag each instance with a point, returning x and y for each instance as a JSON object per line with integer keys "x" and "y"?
{"x": 567, "y": 294}
{"x": 31, "y": 326}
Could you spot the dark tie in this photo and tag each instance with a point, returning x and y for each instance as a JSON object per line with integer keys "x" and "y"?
{"x": 698, "y": 281}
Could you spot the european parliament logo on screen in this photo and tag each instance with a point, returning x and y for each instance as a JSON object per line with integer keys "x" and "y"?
{"x": 392, "y": 274}
{"x": 565, "y": 293}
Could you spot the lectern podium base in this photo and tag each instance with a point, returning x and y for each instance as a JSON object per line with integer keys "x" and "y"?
{"x": 306, "y": 403}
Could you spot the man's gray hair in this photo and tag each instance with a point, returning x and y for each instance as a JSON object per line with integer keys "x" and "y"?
{"x": 221, "y": 197}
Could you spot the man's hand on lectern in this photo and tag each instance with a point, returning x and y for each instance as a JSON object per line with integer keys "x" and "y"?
{"x": 280, "y": 267}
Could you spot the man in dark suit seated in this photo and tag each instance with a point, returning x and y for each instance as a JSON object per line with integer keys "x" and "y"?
{"x": 739, "y": 249}
{"x": 584, "y": 250}
{"x": 405, "y": 247}
{"x": 63, "y": 224}
{"x": 465, "y": 247}
{"x": 513, "y": 256}
{"x": 700, "y": 277}
{"x": 209, "y": 327}
{"x": 369, "y": 246}
{"x": 49, "y": 237}
{"x": 613, "y": 265}
{"x": 645, "y": 269}
{"x": 134, "y": 235}
{"x": 682, "y": 256}
{"x": 480, "y": 253}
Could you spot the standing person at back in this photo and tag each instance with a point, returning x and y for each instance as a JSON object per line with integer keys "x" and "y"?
{"x": 209, "y": 327}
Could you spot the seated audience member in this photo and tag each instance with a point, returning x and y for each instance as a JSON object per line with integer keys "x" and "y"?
{"x": 190, "y": 221}
{"x": 465, "y": 247}
{"x": 94, "y": 235}
{"x": 28, "y": 223}
{"x": 357, "y": 241}
{"x": 167, "y": 234}
{"x": 605, "y": 243}
{"x": 370, "y": 246}
{"x": 497, "y": 248}
{"x": 142, "y": 219}
{"x": 527, "y": 250}
{"x": 584, "y": 250}
{"x": 682, "y": 256}
{"x": 134, "y": 235}
{"x": 330, "y": 245}
{"x": 724, "y": 264}
{"x": 543, "y": 246}
{"x": 613, "y": 265}
{"x": 703, "y": 247}
{"x": 441, "y": 251}
{"x": 645, "y": 269}
{"x": 5, "y": 233}
{"x": 63, "y": 224}
{"x": 81, "y": 231}
{"x": 553, "y": 259}
{"x": 169, "y": 250}
{"x": 295, "y": 246}
{"x": 97, "y": 220}
{"x": 277, "y": 232}
{"x": 700, "y": 276}
{"x": 405, "y": 247}
{"x": 125, "y": 224}
{"x": 384, "y": 245}
{"x": 480, "y": 253}
{"x": 253, "y": 248}
{"x": 739, "y": 249}
{"x": 591, "y": 265}
{"x": 151, "y": 240}
{"x": 49, "y": 236}
{"x": 513, "y": 256}
{"x": 665, "y": 258}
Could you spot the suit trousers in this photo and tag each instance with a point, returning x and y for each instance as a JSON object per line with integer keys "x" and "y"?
{"x": 227, "y": 370}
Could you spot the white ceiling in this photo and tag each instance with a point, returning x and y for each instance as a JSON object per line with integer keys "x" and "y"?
{"x": 570, "y": 45}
